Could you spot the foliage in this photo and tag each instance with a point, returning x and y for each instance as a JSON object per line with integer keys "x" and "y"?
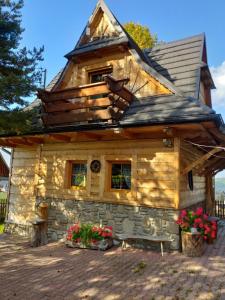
{"x": 189, "y": 219}
{"x": 141, "y": 35}
{"x": 16, "y": 121}
{"x": 1, "y": 228}
{"x": 19, "y": 74}
{"x": 88, "y": 233}
{"x": 3, "y": 197}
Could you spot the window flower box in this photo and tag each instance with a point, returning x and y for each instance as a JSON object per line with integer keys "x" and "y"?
{"x": 88, "y": 236}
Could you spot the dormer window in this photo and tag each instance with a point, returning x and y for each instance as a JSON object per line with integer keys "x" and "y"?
{"x": 98, "y": 75}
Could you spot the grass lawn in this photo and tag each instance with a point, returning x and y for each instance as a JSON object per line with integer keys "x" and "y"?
{"x": 1, "y": 228}
{"x": 3, "y": 195}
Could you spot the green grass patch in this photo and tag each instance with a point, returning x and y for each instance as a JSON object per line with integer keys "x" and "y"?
{"x": 3, "y": 196}
{"x": 1, "y": 228}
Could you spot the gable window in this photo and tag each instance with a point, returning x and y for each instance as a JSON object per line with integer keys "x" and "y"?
{"x": 120, "y": 175}
{"x": 78, "y": 178}
{"x": 98, "y": 75}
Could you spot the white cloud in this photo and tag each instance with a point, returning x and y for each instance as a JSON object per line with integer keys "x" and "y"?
{"x": 218, "y": 95}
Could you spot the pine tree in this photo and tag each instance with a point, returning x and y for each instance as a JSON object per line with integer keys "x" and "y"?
{"x": 19, "y": 74}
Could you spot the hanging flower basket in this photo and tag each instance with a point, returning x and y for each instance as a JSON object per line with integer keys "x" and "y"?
{"x": 88, "y": 236}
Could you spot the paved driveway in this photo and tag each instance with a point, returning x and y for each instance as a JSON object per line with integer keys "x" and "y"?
{"x": 56, "y": 272}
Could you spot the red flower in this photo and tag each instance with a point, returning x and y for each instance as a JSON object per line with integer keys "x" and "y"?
{"x": 199, "y": 211}
{"x": 95, "y": 229}
{"x": 205, "y": 217}
{"x": 183, "y": 213}
{"x": 108, "y": 227}
{"x": 69, "y": 237}
{"x": 213, "y": 234}
{"x": 198, "y": 220}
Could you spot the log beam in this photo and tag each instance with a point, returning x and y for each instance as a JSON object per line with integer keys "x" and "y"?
{"x": 90, "y": 103}
{"x": 59, "y": 137}
{"x": 200, "y": 161}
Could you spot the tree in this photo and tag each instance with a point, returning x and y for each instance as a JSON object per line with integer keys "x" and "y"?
{"x": 141, "y": 35}
{"x": 19, "y": 74}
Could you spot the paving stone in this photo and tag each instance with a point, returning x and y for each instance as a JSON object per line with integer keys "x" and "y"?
{"x": 56, "y": 272}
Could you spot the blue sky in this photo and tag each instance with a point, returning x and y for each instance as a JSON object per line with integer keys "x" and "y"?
{"x": 57, "y": 25}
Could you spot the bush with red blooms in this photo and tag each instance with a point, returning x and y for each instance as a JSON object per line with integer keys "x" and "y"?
{"x": 87, "y": 234}
{"x": 189, "y": 219}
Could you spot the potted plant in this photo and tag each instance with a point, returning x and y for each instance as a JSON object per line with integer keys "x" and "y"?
{"x": 195, "y": 228}
{"x": 89, "y": 236}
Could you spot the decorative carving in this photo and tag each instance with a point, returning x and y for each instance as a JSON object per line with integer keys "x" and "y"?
{"x": 95, "y": 166}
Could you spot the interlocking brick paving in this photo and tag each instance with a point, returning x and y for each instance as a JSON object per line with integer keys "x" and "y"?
{"x": 60, "y": 273}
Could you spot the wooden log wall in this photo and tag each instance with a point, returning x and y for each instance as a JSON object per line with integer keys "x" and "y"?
{"x": 23, "y": 184}
{"x": 100, "y": 27}
{"x": 42, "y": 172}
{"x": 188, "y": 197}
{"x": 123, "y": 65}
{"x": 156, "y": 180}
{"x": 153, "y": 172}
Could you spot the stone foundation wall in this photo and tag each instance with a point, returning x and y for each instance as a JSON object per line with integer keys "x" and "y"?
{"x": 18, "y": 229}
{"x": 123, "y": 218}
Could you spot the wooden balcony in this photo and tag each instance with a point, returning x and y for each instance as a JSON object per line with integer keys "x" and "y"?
{"x": 98, "y": 102}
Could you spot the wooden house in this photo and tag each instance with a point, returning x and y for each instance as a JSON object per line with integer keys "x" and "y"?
{"x": 123, "y": 136}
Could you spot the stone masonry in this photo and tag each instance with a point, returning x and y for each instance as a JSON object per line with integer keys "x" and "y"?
{"x": 123, "y": 218}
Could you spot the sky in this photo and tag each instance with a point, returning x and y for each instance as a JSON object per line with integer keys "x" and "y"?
{"x": 57, "y": 25}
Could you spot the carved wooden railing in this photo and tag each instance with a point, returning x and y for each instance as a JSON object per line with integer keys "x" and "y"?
{"x": 74, "y": 105}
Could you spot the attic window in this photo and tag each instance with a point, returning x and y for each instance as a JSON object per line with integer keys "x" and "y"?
{"x": 98, "y": 75}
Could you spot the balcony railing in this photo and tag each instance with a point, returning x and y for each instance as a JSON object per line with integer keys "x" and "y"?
{"x": 98, "y": 102}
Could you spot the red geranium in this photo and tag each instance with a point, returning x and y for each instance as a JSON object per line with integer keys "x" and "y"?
{"x": 88, "y": 233}
{"x": 197, "y": 219}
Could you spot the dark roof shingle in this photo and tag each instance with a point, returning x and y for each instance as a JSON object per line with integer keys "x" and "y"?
{"x": 180, "y": 62}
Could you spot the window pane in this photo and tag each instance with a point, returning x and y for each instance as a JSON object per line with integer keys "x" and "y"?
{"x": 121, "y": 176}
{"x": 79, "y": 174}
{"x": 99, "y": 77}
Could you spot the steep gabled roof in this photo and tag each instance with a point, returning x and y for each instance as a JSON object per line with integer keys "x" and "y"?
{"x": 117, "y": 26}
{"x": 122, "y": 37}
{"x": 181, "y": 62}
{"x": 177, "y": 65}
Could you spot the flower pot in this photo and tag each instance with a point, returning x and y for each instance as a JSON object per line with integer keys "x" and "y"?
{"x": 192, "y": 244}
{"x": 102, "y": 245}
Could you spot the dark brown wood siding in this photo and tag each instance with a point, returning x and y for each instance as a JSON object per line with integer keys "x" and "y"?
{"x": 4, "y": 171}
